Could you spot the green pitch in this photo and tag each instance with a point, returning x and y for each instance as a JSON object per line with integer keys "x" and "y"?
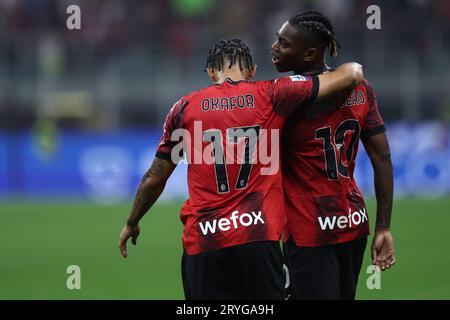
{"x": 38, "y": 241}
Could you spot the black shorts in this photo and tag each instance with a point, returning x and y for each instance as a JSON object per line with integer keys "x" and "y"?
{"x": 325, "y": 272}
{"x": 249, "y": 271}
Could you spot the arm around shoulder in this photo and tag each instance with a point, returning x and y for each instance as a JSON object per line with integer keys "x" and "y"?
{"x": 346, "y": 76}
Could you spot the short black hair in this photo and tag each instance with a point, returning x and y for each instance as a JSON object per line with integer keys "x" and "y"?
{"x": 318, "y": 25}
{"x": 233, "y": 50}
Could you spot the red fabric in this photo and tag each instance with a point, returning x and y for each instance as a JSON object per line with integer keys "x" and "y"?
{"x": 317, "y": 203}
{"x": 259, "y": 216}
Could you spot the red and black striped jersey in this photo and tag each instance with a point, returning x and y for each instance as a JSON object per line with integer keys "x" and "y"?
{"x": 323, "y": 203}
{"x": 231, "y": 138}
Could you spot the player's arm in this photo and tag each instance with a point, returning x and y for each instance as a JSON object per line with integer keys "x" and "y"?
{"x": 151, "y": 186}
{"x": 377, "y": 148}
{"x": 290, "y": 93}
{"x": 154, "y": 180}
{"x": 376, "y": 144}
{"x": 346, "y": 76}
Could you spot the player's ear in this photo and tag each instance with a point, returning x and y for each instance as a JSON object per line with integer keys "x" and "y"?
{"x": 212, "y": 74}
{"x": 310, "y": 54}
{"x": 250, "y": 73}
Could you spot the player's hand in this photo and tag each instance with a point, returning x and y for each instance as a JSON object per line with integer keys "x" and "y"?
{"x": 128, "y": 232}
{"x": 383, "y": 249}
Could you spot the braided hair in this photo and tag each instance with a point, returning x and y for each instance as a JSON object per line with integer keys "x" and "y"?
{"x": 232, "y": 50}
{"x": 320, "y": 26}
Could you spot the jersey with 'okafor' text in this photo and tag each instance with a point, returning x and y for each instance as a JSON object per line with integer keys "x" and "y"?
{"x": 231, "y": 139}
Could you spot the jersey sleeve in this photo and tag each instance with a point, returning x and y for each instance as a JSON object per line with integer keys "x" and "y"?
{"x": 374, "y": 124}
{"x": 289, "y": 93}
{"x": 174, "y": 121}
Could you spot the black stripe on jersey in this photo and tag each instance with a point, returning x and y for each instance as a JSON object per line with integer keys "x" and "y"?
{"x": 372, "y": 132}
{"x": 314, "y": 91}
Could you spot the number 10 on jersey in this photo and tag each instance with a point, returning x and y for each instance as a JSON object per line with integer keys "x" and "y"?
{"x": 334, "y": 167}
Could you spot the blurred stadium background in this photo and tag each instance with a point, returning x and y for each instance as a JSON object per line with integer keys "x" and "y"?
{"x": 81, "y": 113}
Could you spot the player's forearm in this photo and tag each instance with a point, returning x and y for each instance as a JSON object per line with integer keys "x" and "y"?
{"x": 150, "y": 188}
{"x": 384, "y": 181}
{"x": 146, "y": 196}
{"x": 350, "y": 74}
{"x": 346, "y": 76}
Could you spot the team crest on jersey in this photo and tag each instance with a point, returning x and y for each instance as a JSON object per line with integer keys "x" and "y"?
{"x": 298, "y": 78}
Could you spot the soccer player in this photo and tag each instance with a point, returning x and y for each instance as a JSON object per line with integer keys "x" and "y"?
{"x": 232, "y": 219}
{"x": 327, "y": 225}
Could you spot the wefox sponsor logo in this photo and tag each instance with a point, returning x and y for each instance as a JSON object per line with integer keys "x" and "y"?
{"x": 353, "y": 219}
{"x": 235, "y": 221}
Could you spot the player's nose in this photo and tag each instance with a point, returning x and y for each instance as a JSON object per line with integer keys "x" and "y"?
{"x": 275, "y": 46}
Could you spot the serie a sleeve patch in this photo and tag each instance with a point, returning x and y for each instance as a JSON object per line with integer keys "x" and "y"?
{"x": 299, "y": 78}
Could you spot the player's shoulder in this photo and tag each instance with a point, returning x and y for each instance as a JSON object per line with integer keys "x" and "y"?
{"x": 276, "y": 84}
{"x": 366, "y": 84}
{"x": 181, "y": 104}
{"x": 192, "y": 95}
{"x": 368, "y": 90}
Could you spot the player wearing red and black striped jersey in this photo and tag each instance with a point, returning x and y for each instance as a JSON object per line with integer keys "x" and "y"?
{"x": 328, "y": 225}
{"x": 231, "y": 202}
{"x": 323, "y": 202}
{"x": 232, "y": 219}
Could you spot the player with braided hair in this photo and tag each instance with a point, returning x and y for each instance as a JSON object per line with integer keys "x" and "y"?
{"x": 232, "y": 221}
{"x": 327, "y": 227}
{"x": 306, "y": 37}
{"x": 320, "y": 26}
{"x": 232, "y": 50}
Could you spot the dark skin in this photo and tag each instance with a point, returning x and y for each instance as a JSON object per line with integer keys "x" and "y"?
{"x": 302, "y": 53}
{"x": 377, "y": 148}
{"x": 297, "y": 51}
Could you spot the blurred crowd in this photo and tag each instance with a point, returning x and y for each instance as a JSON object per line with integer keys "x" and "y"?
{"x": 131, "y": 59}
